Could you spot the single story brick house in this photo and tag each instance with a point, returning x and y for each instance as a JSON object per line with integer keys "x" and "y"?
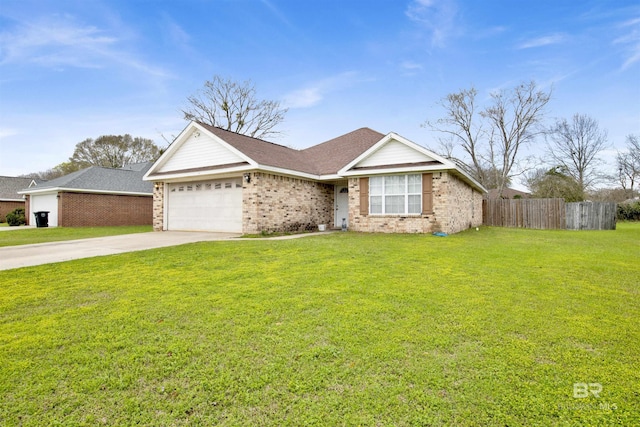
{"x": 216, "y": 180}
{"x": 10, "y": 200}
{"x": 94, "y": 197}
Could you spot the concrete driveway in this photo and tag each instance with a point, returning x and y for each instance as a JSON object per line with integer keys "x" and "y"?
{"x": 45, "y": 253}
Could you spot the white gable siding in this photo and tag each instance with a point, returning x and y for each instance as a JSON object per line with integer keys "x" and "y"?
{"x": 394, "y": 153}
{"x": 200, "y": 152}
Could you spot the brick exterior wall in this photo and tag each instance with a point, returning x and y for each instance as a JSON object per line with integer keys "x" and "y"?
{"x": 90, "y": 210}
{"x": 158, "y": 206}
{"x": 456, "y": 207}
{"x": 9, "y": 206}
{"x": 27, "y": 210}
{"x": 463, "y": 205}
{"x": 280, "y": 203}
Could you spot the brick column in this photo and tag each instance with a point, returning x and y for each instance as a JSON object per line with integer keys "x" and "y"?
{"x": 158, "y": 206}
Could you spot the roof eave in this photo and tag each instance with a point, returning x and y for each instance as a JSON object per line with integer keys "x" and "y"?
{"x": 330, "y": 177}
{"x": 199, "y": 174}
{"x": 220, "y": 172}
{"x": 392, "y": 169}
{"x": 83, "y": 190}
{"x": 290, "y": 172}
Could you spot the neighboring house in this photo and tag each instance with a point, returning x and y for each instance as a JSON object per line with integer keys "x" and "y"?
{"x": 216, "y": 180}
{"x": 507, "y": 193}
{"x": 10, "y": 200}
{"x": 94, "y": 196}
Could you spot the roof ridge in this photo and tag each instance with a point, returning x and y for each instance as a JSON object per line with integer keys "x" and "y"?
{"x": 346, "y": 135}
{"x": 246, "y": 136}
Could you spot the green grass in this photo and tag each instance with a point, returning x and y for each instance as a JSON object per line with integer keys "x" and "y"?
{"x": 481, "y": 328}
{"x": 55, "y": 234}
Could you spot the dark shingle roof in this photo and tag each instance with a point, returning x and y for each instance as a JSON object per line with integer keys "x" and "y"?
{"x": 331, "y": 156}
{"x": 322, "y": 159}
{"x": 263, "y": 152}
{"x": 9, "y": 187}
{"x": 125, "y": 180}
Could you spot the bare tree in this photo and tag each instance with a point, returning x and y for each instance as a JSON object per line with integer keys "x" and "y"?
{"x": 629, "y": 163}
{"x": 575, "y": 146}
{"x": 233, "y": 106}
{"x": 461, "y": 125}
{"x": 514, "y": 118}
{"x": 114, "y": 151}
{"x": 492, "y": 137}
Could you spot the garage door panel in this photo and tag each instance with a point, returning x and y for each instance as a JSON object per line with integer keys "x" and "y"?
{"x": 207, "y": 205}
{"x": 44, "y": 202}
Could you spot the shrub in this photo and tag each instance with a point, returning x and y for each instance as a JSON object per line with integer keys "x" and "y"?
{"x": 16, "y": 217}
{"x": 629, "y": 211}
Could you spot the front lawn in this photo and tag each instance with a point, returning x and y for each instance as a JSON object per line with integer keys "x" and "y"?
{"x": 484, "y": 328}
{"x": 55, "y": 234}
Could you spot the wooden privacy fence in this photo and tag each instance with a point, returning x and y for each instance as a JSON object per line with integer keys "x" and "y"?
{"x": 549, "y": 214}
{"x": 591, "y": 216}
{"x": 524, "y": 213}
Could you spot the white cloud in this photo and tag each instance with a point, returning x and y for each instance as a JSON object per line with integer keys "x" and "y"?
{"x": 630, "y": 42}
{"x": 7, "y": 132}
{"x": 543, "y": 41}
{"x": 175, "y": 32}
{"x": 54, "y": 43}
{"x": 436, "y": 16}
{"x": 411, "y": 66}
{"x": 277, "y": 13}
{"x": 315, "y": 92}
{"x": 59, "y": 41}
{"x": 631, "y": 22}
{"x": 304, "y": 98}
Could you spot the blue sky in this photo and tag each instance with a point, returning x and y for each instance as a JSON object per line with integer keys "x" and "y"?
{"x": 70, "y": 70}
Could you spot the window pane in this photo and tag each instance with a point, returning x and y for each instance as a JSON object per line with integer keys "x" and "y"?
{"x": 415, "y": 204}
{"x": 415, "y": 184}
{"x": 394, "y": 204}
{"x": 375, "y": 185}
{"x": 375, "y": 204}
{"x": 394, "y": 184}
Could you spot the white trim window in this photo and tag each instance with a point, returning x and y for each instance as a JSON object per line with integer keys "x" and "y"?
{"x": 395, "y": 194}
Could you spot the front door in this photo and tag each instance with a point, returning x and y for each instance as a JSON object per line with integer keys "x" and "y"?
{"x": 341, "y": 205}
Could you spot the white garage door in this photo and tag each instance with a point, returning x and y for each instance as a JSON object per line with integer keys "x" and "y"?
{"x": 206, "y": 205}
{"x": 44, "y": 202}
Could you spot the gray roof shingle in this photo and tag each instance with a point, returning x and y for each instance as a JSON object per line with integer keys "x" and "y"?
{"x": 124, "y": 180}
{"x": 9, "y": 187}
{"x": 331, "y": 156}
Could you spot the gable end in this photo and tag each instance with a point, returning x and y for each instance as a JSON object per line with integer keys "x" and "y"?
{"x": 197, "y": 151}
{"x": 393, "y": 153}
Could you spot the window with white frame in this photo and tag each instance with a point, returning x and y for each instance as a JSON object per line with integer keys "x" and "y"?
{"x": 395, "y": 194}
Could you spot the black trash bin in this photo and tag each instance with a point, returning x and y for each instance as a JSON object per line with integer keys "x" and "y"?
{"x": 42, "y": 218}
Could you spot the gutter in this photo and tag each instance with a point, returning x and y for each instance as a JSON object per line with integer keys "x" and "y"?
{"x": 82, "y": 190}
